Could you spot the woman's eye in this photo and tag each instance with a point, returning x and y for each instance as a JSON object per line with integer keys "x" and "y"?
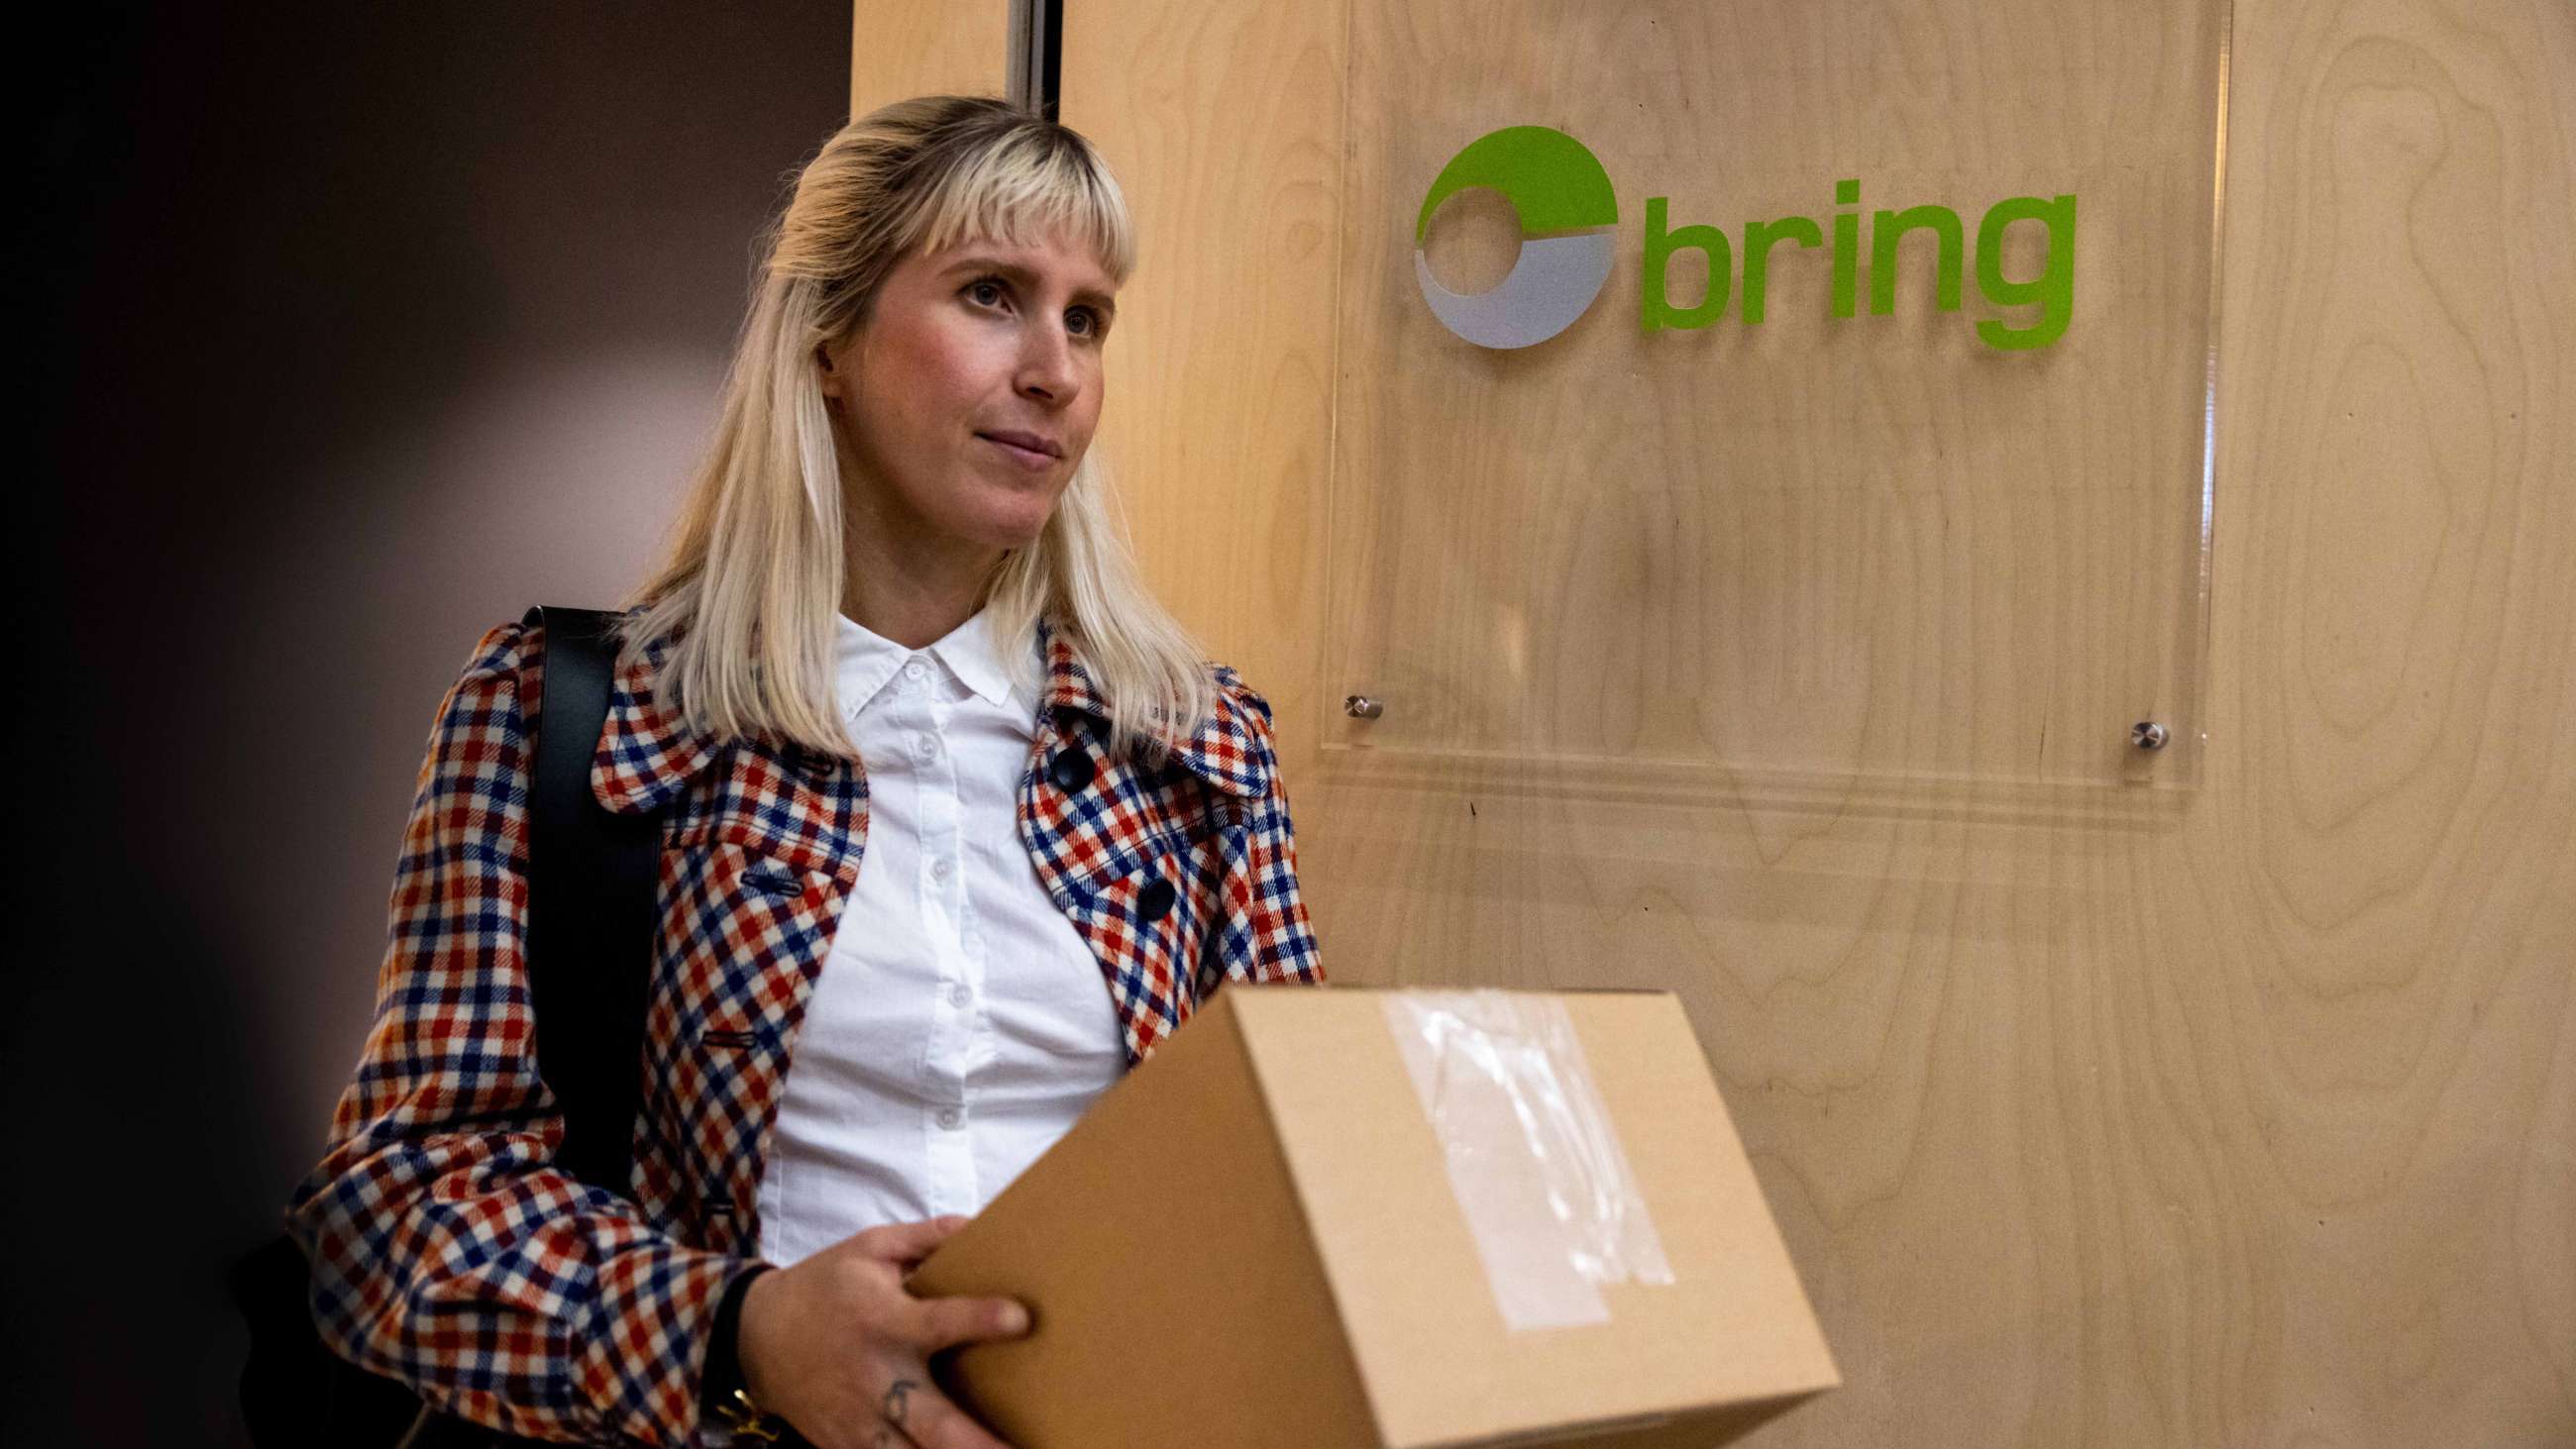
{"x": 986, "y": 294}
{"x": 1082, "y": 322}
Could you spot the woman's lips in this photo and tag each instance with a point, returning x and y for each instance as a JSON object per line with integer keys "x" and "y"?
{"x": 1033, "y": 459}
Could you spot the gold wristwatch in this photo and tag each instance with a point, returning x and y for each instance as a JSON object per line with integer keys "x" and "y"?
{"x": 743, "y": 1418}
{"x": 727, "y": 1397}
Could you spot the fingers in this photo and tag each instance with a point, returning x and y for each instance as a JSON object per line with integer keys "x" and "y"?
{"x": 919, "y": 1414}
{"x": 907, "y": 1242}
{"x": 944, "y": 1323}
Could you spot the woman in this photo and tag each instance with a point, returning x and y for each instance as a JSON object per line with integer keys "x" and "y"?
{"x": 895, "y": 553}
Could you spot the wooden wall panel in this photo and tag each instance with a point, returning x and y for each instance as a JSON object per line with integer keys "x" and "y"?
{"x": 2238, "y": 1118}
{"x": 2387, "y": 874}
{"x": 1221, "y": 368}
{"x": 1809, "y": 546}
{"x": 901, "y": 48}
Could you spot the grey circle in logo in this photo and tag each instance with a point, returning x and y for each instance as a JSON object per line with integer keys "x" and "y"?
{"x": 1556, "y": 187}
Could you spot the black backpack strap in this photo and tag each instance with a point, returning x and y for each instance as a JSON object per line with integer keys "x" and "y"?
{"x": 591, "y": 915}
{"x": 591, "y": 919}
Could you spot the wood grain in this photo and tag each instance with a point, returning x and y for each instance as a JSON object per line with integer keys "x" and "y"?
{"x": 1221, "y": 368}
{"x": 1872, "y": 547}
{"x": 2235, "y": 1115}
{"x": 947, "y": 47}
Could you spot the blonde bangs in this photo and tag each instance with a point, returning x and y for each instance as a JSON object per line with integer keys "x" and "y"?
{"x": 1026, "y": 190}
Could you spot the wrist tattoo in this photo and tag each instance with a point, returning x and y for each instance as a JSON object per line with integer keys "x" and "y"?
{"x": 896, "y": 1405}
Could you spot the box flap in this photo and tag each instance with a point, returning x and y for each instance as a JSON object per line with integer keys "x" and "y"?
{"x": 1440, "y": 1364}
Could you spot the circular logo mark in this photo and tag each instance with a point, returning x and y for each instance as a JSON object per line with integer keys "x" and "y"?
{"x": 1564, "y": 200}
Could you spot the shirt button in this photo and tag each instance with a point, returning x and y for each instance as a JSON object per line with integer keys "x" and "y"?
{"x": 912, "y": 669}
{"x": 959, "y": 995}
{"x": 952, "y": 1117}
{"x": 939, "y": 868}
{"x": 926, "y": 746}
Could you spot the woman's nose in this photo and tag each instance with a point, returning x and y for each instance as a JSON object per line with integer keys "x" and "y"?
{"x": 1047, "y": 373}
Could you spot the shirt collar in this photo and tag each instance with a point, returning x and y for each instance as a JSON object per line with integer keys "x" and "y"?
{"x": 863, "y": 660}
{"x": 972, "y": 654}
{"x": 648, "y": 751}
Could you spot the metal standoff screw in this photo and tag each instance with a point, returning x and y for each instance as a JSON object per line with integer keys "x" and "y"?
{"x": 1360, "y": 706}
{"x": 2146, "y": 734}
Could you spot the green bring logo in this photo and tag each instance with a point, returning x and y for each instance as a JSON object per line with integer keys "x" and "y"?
{"x": 1564, "y": 201}
{"x": 1556, "y": 186}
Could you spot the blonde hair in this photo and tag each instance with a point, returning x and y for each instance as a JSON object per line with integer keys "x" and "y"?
{"x": 750, "y": 589}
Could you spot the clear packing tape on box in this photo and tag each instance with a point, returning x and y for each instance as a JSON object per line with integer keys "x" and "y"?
{"x": 1532, "y": 1154}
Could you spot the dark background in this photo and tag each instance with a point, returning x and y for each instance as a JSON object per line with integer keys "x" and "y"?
{"x": 357, "y": 329}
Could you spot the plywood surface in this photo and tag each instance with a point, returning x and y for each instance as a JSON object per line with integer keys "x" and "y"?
{"x": 1873, "y": 546}
{"x": 2240, "y": 1119}
{"x": 946, "y": 47}
{"x": 1225, "y": 123}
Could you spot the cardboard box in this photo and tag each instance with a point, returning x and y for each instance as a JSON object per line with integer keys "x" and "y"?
{"x": 1261, "y": 1238}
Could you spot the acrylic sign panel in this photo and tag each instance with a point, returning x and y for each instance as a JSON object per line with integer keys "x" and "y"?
{"x": 1790, "y": 389}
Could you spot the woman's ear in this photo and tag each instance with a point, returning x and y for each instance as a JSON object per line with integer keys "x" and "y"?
{"x": 831, "y": 377}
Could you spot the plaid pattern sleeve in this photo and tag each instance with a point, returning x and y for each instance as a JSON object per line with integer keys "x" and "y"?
{"x": 448, "y": 1251}
{"x": 1282, "y": 945}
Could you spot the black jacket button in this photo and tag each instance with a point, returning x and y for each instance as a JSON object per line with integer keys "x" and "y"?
{"x": 1154, "y": 902}
{"x": 1072, "y": 771}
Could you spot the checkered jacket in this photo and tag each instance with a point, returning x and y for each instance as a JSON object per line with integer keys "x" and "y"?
{"x": 451, "y": 1253}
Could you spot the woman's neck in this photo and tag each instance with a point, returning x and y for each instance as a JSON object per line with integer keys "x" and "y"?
{"x": 915, "y": 620}
{"x": 903, "y": 578}
{"x": 915, "y": 593}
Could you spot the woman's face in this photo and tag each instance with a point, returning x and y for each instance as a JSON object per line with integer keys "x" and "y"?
{"x": 970, "y": 393}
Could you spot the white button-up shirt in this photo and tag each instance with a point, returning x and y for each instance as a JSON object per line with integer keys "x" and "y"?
{"x": 959, "y": 1025}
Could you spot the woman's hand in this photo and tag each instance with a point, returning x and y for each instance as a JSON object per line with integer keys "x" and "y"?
{"x": 837, "y": 1347}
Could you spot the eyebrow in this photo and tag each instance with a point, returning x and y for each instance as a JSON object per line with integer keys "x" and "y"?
{"x": 1022, "y": 276}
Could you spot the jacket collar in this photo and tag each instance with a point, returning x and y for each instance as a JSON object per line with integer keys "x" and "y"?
{"x": 647, "y": 751}
{"x": 1228, "y": 751}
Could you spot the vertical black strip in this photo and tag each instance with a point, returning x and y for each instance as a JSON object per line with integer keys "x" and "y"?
{"x": 1050, "y": 57}
{"x": 591, "y": 913}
